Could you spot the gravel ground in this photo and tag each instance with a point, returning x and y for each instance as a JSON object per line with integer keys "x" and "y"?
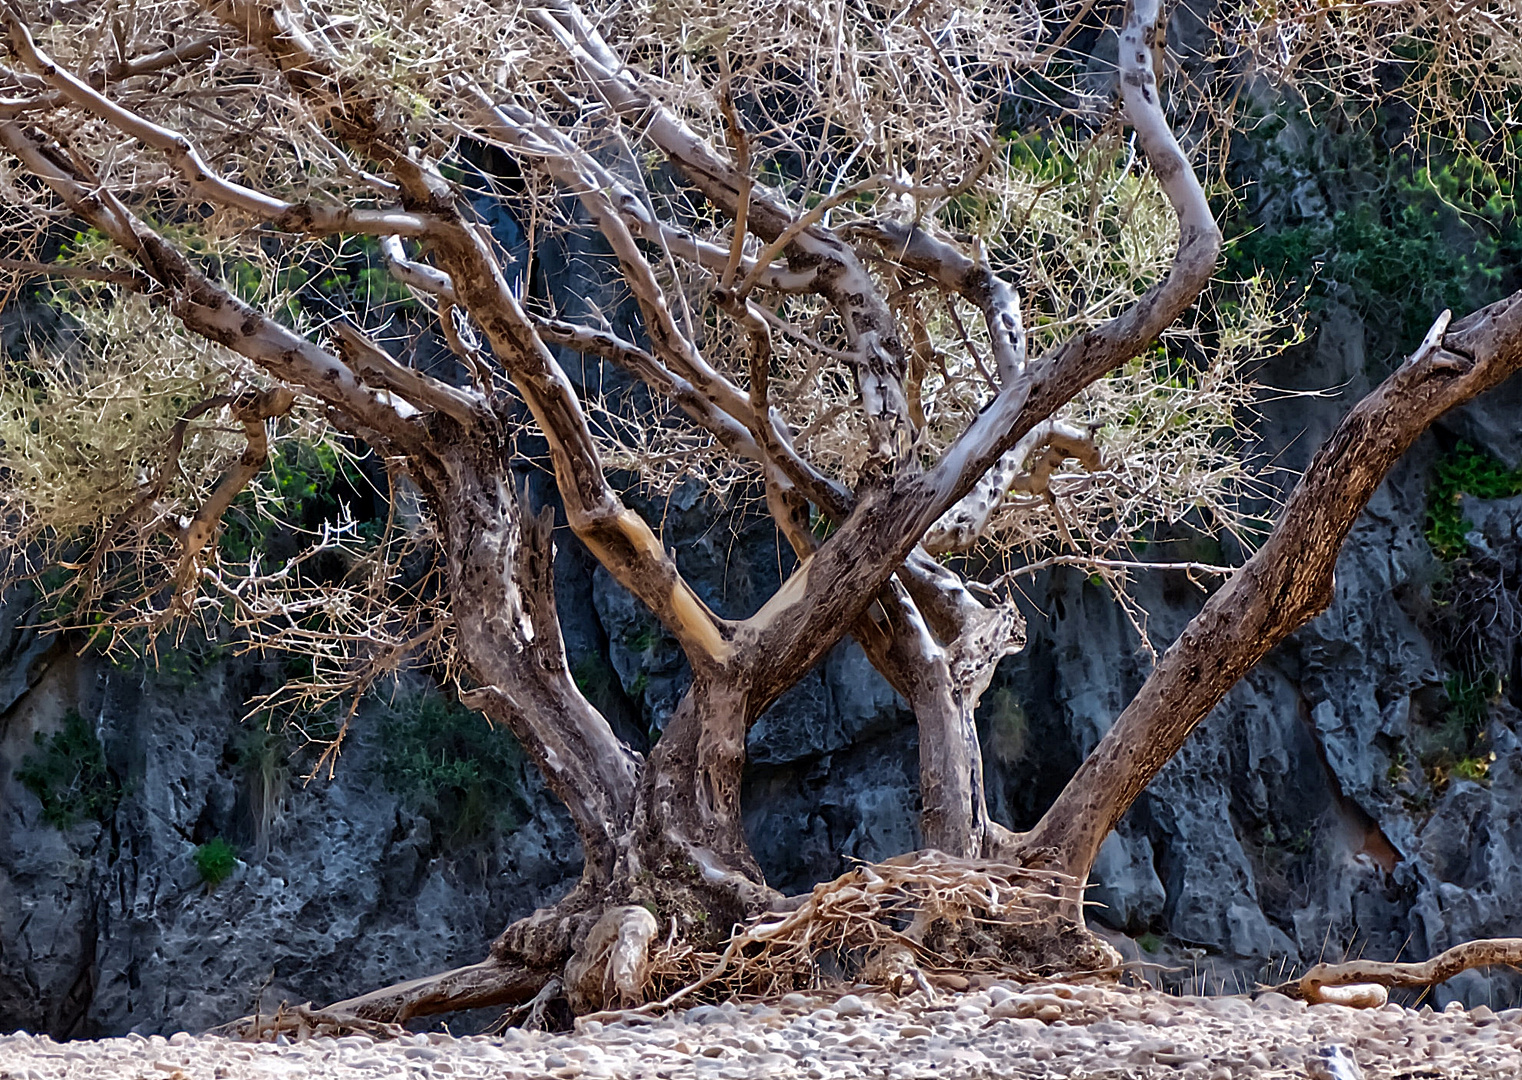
{"x": 1031, "y": 1031}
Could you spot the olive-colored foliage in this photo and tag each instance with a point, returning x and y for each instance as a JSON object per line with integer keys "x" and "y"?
{"x": 447, "y": 762}
{"x": 68, "y": 774}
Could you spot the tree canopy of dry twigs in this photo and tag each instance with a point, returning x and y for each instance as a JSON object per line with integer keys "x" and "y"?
{"x": 934, "y": 286}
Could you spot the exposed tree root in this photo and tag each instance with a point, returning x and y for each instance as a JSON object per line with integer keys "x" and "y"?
{"x": 1321, "y": 983}
{"x": 612, "y": 967}
{"x": 911, "y": 923}
{"x": 904, "y": 924}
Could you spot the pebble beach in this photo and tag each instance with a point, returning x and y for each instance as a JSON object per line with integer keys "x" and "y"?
{"x": 1052, "y": 1030}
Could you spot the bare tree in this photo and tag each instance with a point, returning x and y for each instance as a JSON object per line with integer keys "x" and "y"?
{"x": 820, "y": 223}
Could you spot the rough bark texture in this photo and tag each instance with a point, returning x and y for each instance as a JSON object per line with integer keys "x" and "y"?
{"x": 665, "y": 835}
{"x": 500, "y": 565}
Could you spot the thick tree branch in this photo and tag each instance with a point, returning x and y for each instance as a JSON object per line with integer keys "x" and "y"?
{"x": 1028, "y": 468}
{"x": 474, "y": 986}
{"x": 502, "y": 588}
{"x": 791, "y": 630}
{"x": 1284, "y": 585}
{"x": 942, "y": 681}
{"x": 372, "y": 362}
{"x": 308, "y": 217}
{"x": 210, "y": 310}
{"x": 616, "y": 535}
{"x": 415, "y": 275}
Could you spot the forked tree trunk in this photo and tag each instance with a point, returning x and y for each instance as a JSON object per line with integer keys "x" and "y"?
{"x": 1284, "y": 585}
{"x": 664, "y": 832}
{"x": 663, "y": 838}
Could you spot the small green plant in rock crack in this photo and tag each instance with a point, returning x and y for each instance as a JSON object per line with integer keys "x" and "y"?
{"x": 215, "y": 860}
{"x": 1469, "y": 700}
{"x": 1464, "y": 471}
{"x": 68, "y": 774}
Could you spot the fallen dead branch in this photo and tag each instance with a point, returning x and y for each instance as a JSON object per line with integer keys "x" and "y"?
{"x": 298, "y": 1022}
{"x": 1315, "y": 985}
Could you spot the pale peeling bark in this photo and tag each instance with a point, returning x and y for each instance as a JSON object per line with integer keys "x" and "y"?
{"x": 1027, "y": 468}
{"x": 1284, "y": 585}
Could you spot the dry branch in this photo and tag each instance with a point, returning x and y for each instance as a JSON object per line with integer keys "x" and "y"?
{"x": 305, "y": 217}
{"x": 207, "y": 520}
{"x": 207, "y": 308}
{"x": 1485, "y": 952}
{"x": 1285, "y": 584}
{"x": 943, "y": 914}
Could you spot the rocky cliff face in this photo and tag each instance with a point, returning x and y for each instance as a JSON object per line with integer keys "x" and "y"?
{"x": 1360, "y": 792}
{"x": 1310, "y": 816}
{"x": 110, "y": 923}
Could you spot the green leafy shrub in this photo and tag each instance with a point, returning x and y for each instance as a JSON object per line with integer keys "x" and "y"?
{"x": 216, "y": 860}
{"x": 1400, "y": 236}
{"x": 309, "y": 483}
{"x": 1465, "y": 471}
{"x": 1396, "y": 262}
{"x": 446, "y": 761}
{"x": 69, "y": 776}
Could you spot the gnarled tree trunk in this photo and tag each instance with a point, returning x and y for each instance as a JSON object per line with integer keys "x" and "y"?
{"x": 665, "y": 850}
